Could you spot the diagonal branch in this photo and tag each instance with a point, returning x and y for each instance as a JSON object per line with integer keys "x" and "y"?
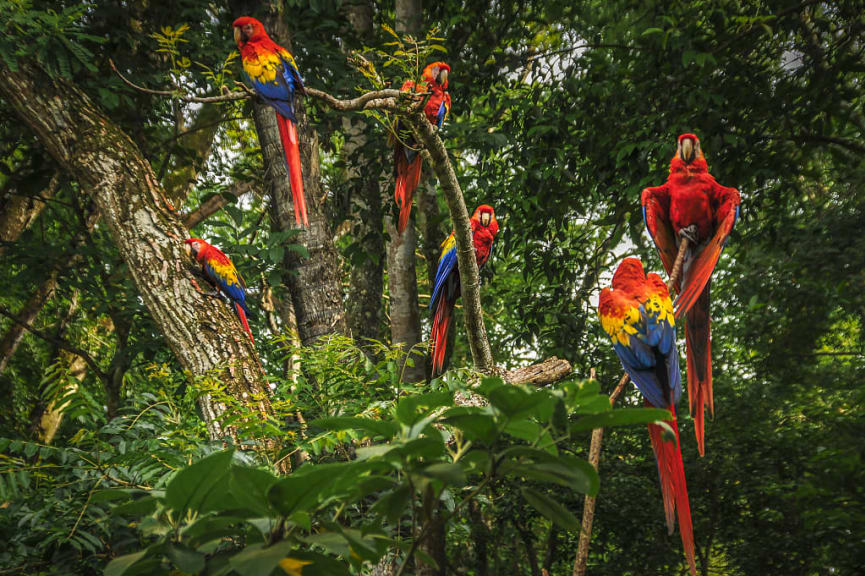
{"x": 466, "y": 262}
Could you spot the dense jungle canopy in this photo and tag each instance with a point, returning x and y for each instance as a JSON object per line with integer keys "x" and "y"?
{"x": 143, "y": 433}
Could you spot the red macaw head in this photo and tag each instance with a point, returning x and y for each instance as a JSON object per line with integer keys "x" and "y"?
{"x": 196, "y": 247}
{"x": 437, "y": 73}
{"x": 248, "y": 29}
{"x": 629, "y": 276}
{"x": 689, "y": 156}
{"x": 485, "y": 217}
{"x": 689, "y": 148}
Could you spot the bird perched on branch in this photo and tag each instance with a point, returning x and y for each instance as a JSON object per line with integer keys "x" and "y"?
{"x": 446, "y": 288}
{"x": 218, "y": 269}
{"x": 272, "y": 72}
{"x": 691, "y": 204}
{"x": 406, "y": 154}
{"x": 637, "y": 314}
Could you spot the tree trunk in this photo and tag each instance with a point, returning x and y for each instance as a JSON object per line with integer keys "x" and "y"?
{"x": 313, "y": 281}
{"x": 363, "y": 306}
{"x": 409, "y": 16}
{"x": 402, "y": 263}
{"x": 201, "y": 331}
{"x": 18, "y": 212}
{"x": 402, "y": 287}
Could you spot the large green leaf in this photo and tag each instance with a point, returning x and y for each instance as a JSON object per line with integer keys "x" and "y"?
{"x": 249, "y": 487}
{"x": 201, "y": 486}
{"x": 447, "y": 472}
{"x": 412, "y": 408}
{"x": 258, "y": 560}
{"x": 304, "y": 489}
{"x": 188, "y": 561}
{"x": 476, "y": 423}
{"x": 121, "y": 564}
{"x": 551, "y": 509}
{"x": 620, "y": 417}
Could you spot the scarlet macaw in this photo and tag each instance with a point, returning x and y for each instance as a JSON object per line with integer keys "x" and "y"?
{"x": 637, "y": 314}
{"x": 406, "y": 157}
{"x": 221, "y": 273}
{"x": 272, "y": 72}
{"x": 446, "y": 289}
{"x": 692, "y": 204}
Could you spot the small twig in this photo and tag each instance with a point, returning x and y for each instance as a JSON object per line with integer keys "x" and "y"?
{"x": 581, "y": 561}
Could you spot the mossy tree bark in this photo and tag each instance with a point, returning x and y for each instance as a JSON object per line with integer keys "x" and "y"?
{"x": 202, "y": 332}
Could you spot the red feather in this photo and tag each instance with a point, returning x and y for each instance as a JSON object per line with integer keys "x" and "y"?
{"x": 288, "y": 135}
{"x": 673, "y": 486}
{"x": 698, "y": 343}
{"x": 407, "y": 180}
{"x": 242, "y": 315}
{"x": 439, "y": 334}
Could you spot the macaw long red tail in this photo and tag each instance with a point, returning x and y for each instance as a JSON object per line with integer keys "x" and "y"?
{"x": 288, "y": 135}
{"x": 698, "y": 343}
{"x": 673, "y": 486}
{"x": 242, "y": 315}
{"x": 439, "y": 335}
{"x": 407, "y": 180}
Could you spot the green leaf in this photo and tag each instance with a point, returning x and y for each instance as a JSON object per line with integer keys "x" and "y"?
{"x": 393, "y": 504}
{"x": 301, "y": 490}
{"x": 449, "y": 473}
{"x": 551, "y": 509}
{"x": 620, "y": 417}
{"x": 186, "y": 560}
{"x": 202, "y": 485}
{"x": 377, "y": 427}
{"x": 256, "y": 560}
{"x": 651, "y": 31}
{"x": 136, "y": 508}
{"x": 476, "y": 423}
{"x": 249, "y": 486}
{"x": 412, "y": 408}
{"x": 121, "y": 564}
{"x": 513, "y": 401}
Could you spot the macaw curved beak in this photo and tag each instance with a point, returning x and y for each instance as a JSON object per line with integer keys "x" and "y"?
{"x": 486, "y": 217}
{"x": 687, "y": 152}
{"x": 443, "y": 77}
{"x": 238, "y": 35}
